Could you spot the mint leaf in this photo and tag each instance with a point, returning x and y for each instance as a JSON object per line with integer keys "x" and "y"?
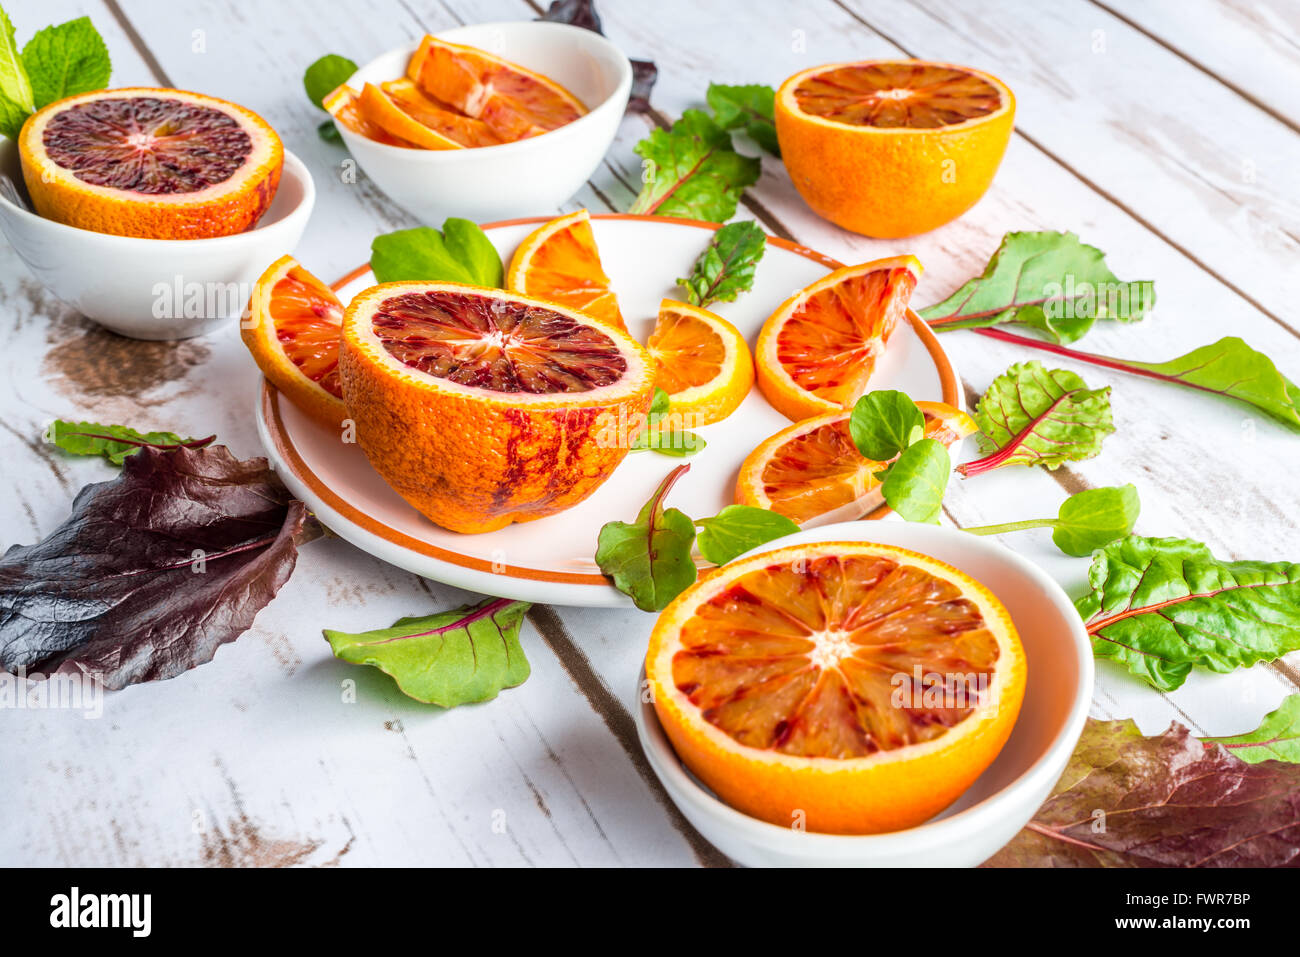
{"x": 12, "y": 117}
{"x": 113, "y": 442}
{"x": 14, "y": 84}
{"x": 692, "y": 171}
{"x": 884, "y": 423}
{"x": 325, "y": 76}
{"x": 726, "y": 267}
{"x": 737, "y": 529}
{"x": 1276, "y": 739}
{"x": 1094, "y": 518}
{"x": 914, "y": 484}
{"x": 461, "y": 252}
{"x": 65, "y": 60}
{"x": 749, "y": 108}
{"x": 650, "y": 559}
{"x": 456, "y": 657}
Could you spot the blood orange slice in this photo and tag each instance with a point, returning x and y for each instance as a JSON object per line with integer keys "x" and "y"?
{"x": 701, "y": 361}
{"x": 816, "y": 353}
{"x": 345, "y": 106}
{"x": 812, "y": 470}
{"x": 292, "y": 329}
{"x": 401, "y": 109}
{"x": 559, "y": 261}
{"x": 848, "y": 687}
{"x": 483, "y": 407}
{"x": 162, "y": 164}
{"x": 513, "y": 101}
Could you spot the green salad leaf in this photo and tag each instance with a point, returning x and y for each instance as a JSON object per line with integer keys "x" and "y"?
{"x": 750, "y": 108}
{"x": 1276, "y": 739}
{"x": 692, "y": 171}
{"x": 14, "y": 83}
{"x": 1086, "y": 521}
{"x": 914, "y": 485}
{"x": 325, "y": 75}
{"x": 461, "y": 252}
{"x": 884, "y": 423}
{"x": 114, "y": 442}
{"x": 737, "y": 529}
{"x": 663, "y": 432}
{"x": 650, "y": 558}
{"x": 726, "y": 267}
{"x": 65, "y": 60}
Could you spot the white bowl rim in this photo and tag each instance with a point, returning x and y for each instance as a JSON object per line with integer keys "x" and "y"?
{"x": 952, "y": 828}
{"x": 433, "y": 157}
{"x": 292, "y": 166}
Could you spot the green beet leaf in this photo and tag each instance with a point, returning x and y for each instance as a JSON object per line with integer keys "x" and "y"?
{"x": 692, "y": 171}
{"x": 65, "y": 60}
{"x": 461, "y": 252}
{"x": 650, "y": 559}
{"x": 913, "y": 486}
{"x": 726, "y": 267}
{"x": 750, "y": 108}
{"x": 325, "y": 76}
{"x": 1276, "y": 739}
{"x": 456, "y": 657}
{"x": 1161, "y": 606}
{"x": 114, "y": 442}
{"x": 884, "y": 423}
{"x": 737, "y": 529}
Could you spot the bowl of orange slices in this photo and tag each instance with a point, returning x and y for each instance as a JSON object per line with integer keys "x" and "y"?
{"x": 865, "y": 694}
{"x": 485, "y": 121}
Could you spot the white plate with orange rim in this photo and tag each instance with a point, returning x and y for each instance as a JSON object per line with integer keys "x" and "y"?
{"x": 551, "y": 559}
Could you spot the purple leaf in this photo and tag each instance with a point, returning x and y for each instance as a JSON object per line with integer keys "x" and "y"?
{"x": 582, "y": 13}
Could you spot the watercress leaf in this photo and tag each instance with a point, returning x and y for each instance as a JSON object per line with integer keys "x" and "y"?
{"x": 1161, "y": 606}
{"x": 325, "y": 76}
{"x": 884, "y": 423}
{"x": 726, "y": 267}
{"x": 1031, "y": 415}
{"x": 113, "y": 442}
{"x": 1048, "y": 281}
{"x": 1094, "y": 518}
{"x": 461, "y": 252}
{"x": 692, "y": 171}
{"x": 14, "y": 83}
{"x": 471, "y": 247}
{"x": 329, "y": 132}
{"x": 450, "y": 658}
{"x": 749, "y": 108}
{"x": 153, "y": 571}
{"x": 679, "y": 443}
{"x": 1166, "y": 801}
{"x": 65, "y": 60}
{"x": 737, "y": 529}
{"x": 650, "y": 559}
{"x": 660, "y": 404}
{"x": 1276, "y": 739}
{"x": 914, "y": 484}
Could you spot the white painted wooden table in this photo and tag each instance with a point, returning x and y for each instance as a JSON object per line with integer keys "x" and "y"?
{"x": 1165, "y": 132}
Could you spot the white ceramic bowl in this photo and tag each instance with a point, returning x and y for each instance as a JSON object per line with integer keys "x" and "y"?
{"x": 531, "y": 176}
{"x": 1058, "y": 691}
{"x": 156, "y": 288}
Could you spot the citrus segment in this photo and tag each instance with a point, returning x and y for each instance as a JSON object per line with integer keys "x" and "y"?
{"x": 559, "y": 261}
{"x": 483, "y": 407}
{"x": 701, "y": 361}
{"x": 816, "y": 353}
{"x": 154, "y": 163}
{"x": 345, "y": 106}
{"x": 850, "y": 686}
{"x": 404, "y": 111}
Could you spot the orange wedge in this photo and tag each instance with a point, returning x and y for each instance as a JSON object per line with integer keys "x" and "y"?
{"x": 816, "y": 353}
{"x": 559, "y": 261}
{"x": 843, "y": 687}
{"x": 403, "y": 110}
{"x": 345, "y": 106}
{"x": 512, "y": 101}
{"x": 812, "y": 470}
{"x": 701, "y": 361}
{"x": 292, "y": 328}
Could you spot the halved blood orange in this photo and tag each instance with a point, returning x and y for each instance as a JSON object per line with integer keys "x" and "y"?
{"x": 812, "y": 469}
{"x": 816, "y": 353}
{"x": 345, "y": 106}
{"x": 559, "y": 261}
{"x": 140, "y": 161}
{"x": 403, "y": 110}
{"x": 701, "y": 361}
{"x": 892, "y": 147}
{"x": 848, "y": 687}
{"x": 483, "y": 407}
{"x": 513, "y": 101}
{"x": 292, "y": 328}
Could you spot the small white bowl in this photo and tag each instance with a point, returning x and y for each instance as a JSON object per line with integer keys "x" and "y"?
{"x": 1058, "y": 691}
{"x": 530, "y": 176}
{"x": 156, "y": 288}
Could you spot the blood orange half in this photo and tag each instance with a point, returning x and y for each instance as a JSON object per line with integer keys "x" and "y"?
{"x": 162, "y": 164}
{"x": 483, "y": 407}
{"x": 846, "y": 687}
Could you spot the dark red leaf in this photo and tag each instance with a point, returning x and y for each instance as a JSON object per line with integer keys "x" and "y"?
{"x": 582, "y": 13}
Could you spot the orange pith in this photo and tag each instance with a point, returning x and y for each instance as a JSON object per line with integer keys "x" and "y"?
{"x": 816, "y": 353}
{"x": 403, "y": 110}
{"x": 857, "y": 686}
{"x": 514, "y": 102}
{"x": 292, "y": 329}
{"x": 910, "y": 95}
{"x": 559, "y": 261}
{"x": 152, "y": 163}
{"x": 345, "y": 106}
{"x": 812, "y": 469}
{"x": 483, "y": 407}
{"x": 701, "y": 361}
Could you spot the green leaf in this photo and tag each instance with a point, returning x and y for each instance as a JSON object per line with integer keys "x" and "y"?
{"x": 884, "y": 423}
{"x": 1094, "y": 518}
{"x": 650, "y": 559}
{"x": 14, "y": 84}
{"x": 664, "y": 433}
{"x": 1161, "y": 606}
{"x": 329, "y": 132}
{"x": 914, "y": 485}
{"x": 1047, "y": 281}
{"x": 113, "y": 442}
{"x": 726, "y": 267}
{"x": 692, "y": 171}
{"x": 451, "y": 658}
{"x": 325, "y": 76}
{"x": 12, "y": 117}
{"x": 749, "y": 108}
{"x": 461, "y": 252}
{"x": 737, "y": 529}
{"x": 1031, "y": 415}
{"x": 65, "y": 60}
{"x": 1276, "y": 739}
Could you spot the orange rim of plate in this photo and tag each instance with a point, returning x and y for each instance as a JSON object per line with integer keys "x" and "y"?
{"x": 290, "y": 455}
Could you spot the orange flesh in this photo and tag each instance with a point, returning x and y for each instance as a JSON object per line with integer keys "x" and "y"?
{"x": 347, "y": 110}
{"x": 566, "y": 268}
{"x": 438, "y": 116}
{"x": 805, "y": 661}
{"x": 686, "y": 352}
{"x": 307, "y": 319}
{"x": 829, "y": 344}
{"x": 897, "y": 95}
